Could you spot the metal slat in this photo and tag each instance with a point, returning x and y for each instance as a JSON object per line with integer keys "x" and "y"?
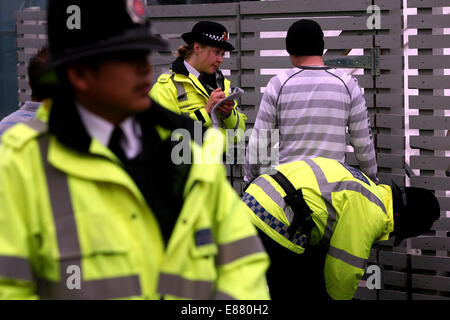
{"x": 388, "y": 141}
{"x": 290, "y": 7}
{"x": 429, "y": 41}
{"x": 384, "y": 81}
{"x": 430, "y": 162}
{"x": 429, "y": 122}
{"x": 429, "y": 62}
{"x": 431, "y": 263}
{"x": 431, "y": 243}
{"x": 430, "y": 143}
{"x": 347, "y": 23}
{"x": 429, "y": 82}
{"x": 380, "y": 120}
{"x": 31, "y": 29}
{"x": 393, "y": 259}
{"x": 394, "y": 278}
{"x": 425, "y": 21}
{"x": 202, "y": 10}
{"x": 385, "y": 160}
{"x": 431, "y": 182}
{"x": 30, "y": 43}
{"x": 437, "y": 283}
{"x": 385, "y": 100}
{"x": 429, "y": 102}
{"x": 179, "y": 27}
{"x": 174, "y": 44}
{"x": 387, "y": 178}
{"x": 30, "y": 15}
{"x": 427, "y": 3}
{"x": 251, "y": 98}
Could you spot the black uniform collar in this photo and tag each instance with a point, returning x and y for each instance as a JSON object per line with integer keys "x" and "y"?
{"x": 65, "y": 123}
{"x": 179, "y": 67}
{"x": 214, "y": 80}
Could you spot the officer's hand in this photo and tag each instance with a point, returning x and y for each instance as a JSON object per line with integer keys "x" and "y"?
{"x": 215, "y": 97}
{"x": 225, "y": 108}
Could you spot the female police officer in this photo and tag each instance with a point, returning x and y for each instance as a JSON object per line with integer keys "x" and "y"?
{"x": 194, "y": 83}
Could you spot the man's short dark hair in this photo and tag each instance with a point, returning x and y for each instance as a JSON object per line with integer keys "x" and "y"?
{"x": 37, "y": 64}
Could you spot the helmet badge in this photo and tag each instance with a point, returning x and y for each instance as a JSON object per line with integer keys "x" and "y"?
{"x": 136, "y": 10}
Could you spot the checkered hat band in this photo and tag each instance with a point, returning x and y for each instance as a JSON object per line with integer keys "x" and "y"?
{"x": 271, "y": 221}
{"x": 216, "y": 38}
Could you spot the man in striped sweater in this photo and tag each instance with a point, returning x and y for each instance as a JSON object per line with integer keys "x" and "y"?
{"x": 313, "y": 107}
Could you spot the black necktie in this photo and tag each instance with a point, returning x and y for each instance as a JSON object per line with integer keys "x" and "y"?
{"x": 114, "y": 143}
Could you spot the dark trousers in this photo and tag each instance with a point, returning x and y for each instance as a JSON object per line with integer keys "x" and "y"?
{"x": 293, "y": 276}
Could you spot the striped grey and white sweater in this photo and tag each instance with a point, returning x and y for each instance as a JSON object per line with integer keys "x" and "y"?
{"x": 313, "y": 107}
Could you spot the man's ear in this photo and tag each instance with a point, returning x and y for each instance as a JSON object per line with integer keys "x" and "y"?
{"x": 79, "y": 77}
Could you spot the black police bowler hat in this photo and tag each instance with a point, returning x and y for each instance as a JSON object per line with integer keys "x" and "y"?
{"x": 83, "y": 28}
{"x": 209, "y": 33}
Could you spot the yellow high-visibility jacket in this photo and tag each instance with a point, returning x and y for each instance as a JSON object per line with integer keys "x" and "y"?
{"x": 181, "y": 92}
{"x": 350, "y": 213}
{"x": 74, "y": 225}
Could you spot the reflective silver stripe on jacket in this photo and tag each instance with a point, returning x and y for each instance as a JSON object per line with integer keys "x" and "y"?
{"x": 15, "y": 268}
{"x": 347, "y": 257}
{"x": 271, "y": 221}
{"x": 111, "y": 288}
{"x": 326, "y": 195}
{"x": 178, "y": 286}
{"x": 326, "y": 188}
{"x": 238, "y": 249}
{"x": 355, "y": 186}
{"x": 181, "y": 91}
{"x": 68, "y": 243}
{"x": 269, "y": 189}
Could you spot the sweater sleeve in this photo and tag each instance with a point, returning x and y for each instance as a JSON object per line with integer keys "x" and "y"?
{"x": 260, "y": 138}
{"x": 360, "y": 133}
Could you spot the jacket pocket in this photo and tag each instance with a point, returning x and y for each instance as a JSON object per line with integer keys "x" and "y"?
{"x": 103, "y": 247}
{"x": 204, "y": 245}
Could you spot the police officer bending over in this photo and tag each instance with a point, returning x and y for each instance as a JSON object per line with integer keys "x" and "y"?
{"x": 91, "y": 204}
{"x": 319, "y": 219}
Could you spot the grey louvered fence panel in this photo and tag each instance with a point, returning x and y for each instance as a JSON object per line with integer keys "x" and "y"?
{"x": 31, "y": 36}
{"x": 432, "y": 143}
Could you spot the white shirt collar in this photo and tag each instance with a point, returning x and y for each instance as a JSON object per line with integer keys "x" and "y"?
{"x": 191, "y": 69}
{"x": 101, "y": 129}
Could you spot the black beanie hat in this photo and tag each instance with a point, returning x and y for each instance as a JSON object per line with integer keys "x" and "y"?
{"x": 418, "y": 209}
{"x": 305, "y": 38}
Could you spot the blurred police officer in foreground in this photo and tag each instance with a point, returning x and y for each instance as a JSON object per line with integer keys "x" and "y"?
{"x": 324, "y": 206}
{"x": 91, "y": 204}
